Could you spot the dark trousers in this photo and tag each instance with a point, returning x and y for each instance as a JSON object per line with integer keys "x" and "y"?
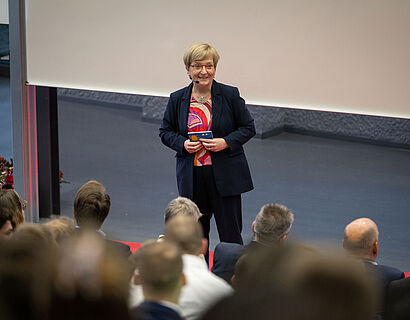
{"x": 227, "y": 210}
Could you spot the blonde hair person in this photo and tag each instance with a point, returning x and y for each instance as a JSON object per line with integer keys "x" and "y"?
{"x": 212, "y": 169}
{"x": 200, "y": 51}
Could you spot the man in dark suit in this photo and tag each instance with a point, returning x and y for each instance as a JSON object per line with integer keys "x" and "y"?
{"x": 159, "y": 266}
{"x": 271, "y": 226}
{"x": 91, "y": 208}
{"x": 361, "y": 240}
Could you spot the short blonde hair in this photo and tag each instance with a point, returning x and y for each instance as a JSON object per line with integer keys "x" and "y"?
{"x": 200, "y": 51}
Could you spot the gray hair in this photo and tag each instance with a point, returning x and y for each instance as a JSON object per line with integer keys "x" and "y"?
{"x": 182, "y": 206}
{"x": 273, "y": 222}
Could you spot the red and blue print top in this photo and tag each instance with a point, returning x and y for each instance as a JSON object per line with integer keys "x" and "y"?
{"x": 200, "y": 119}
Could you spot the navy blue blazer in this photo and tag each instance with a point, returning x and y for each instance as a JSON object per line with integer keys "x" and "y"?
{"x": 149, "y": 310}
{"x": 227, "y": 254}
{"x": 398, "y": 300}
{"x": 231, "y": 120}
{"x": 225, "y": 257}
{"x": 383, "y": 275}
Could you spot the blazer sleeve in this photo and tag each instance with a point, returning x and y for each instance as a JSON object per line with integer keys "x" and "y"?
{"x": 244, "y": 123}
{"x": 169, "y": 130}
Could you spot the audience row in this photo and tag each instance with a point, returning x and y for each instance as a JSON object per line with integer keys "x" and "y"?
{"x": 68, "y": 269}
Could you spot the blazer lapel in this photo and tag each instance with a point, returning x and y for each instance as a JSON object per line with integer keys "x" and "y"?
{"x": 216, "y": 105}
{"x": 185, "y": 102}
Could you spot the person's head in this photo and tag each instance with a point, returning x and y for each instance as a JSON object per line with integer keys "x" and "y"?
{"x": 6, "y": 228}
{"x": 181, "y": 206}
{"x": 91, "y": 205}
{"x": 33, "y": 233}
{"x": 273, "y": 279}
{"x": 272, "y": 224}
{"x": 91, "y": 280}
{"x": 62, "y": 228}
{"x": 361, "y": 239}
{"x": 186, "y": 233}
{"x": 12, "y": 205}
{"x": 26, "y": 272}
{"x": 200, "y": 61}
{"x": 160, "y": 267}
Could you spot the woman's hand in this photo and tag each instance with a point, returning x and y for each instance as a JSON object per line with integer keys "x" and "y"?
{"x": 214, "y": 145}
{"x": 192, "y": 147}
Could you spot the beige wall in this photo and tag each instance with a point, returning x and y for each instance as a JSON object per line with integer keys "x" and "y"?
{"x": 4, "y": 11}
{"x": 346, "y": 56}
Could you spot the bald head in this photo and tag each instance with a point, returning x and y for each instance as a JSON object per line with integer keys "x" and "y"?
{"x": 186, "y": 233}
{"x": 361, "y": 238}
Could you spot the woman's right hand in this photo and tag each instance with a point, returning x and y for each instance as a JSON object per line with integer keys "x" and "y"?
{"x": 192, "y": 147}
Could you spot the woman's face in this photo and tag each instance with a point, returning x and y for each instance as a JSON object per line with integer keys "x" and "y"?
{"x": 202, "y": 71}
{"x": 6, "y": 230}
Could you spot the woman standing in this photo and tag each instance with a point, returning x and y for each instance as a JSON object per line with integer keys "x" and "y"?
{"x": 211, "y": 172}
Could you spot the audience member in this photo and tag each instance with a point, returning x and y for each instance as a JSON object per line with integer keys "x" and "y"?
{"x": 178, "y": 206}
{"x": 361, "y": 240}
{"x": 91, "y": 280}
{"x": 12, "y": 206}
{"x": 91, "y": 208}
{"x": 271, "y": 226}
{"x": 33, "y": 234}
{"x": 159, "y": 266}
{"x": 26, "y": 272}
{"x": 62, "y": 228}
{"x": 203, "y": 288}
{"x": 6, "y": 228}
{"x": 181, "y": 206}
{"x": 398, "y": 300}
{"x": 296, "y": 282}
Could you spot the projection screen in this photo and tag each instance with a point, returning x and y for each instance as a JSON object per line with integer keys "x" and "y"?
{"x": 348, "y": 56}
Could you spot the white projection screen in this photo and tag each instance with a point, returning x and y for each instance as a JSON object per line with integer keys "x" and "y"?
{"x": 349, "y": 56}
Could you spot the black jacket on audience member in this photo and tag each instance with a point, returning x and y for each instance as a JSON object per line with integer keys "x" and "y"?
{"x": 226, "y": 255}
{"x": 384, "y": 275}
{"x": 149, "y": 310}
{"x": 398, "y": 300}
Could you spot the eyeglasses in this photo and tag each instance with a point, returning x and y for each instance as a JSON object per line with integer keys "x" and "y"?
{"x": 24, "y": 204}
{"x": 198, "y": 67}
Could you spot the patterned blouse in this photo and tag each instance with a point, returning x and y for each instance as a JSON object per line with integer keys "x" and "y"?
{"x": 200, "y": 119}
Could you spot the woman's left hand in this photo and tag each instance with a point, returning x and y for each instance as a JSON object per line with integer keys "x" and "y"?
{"x": 214, "y": 145}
